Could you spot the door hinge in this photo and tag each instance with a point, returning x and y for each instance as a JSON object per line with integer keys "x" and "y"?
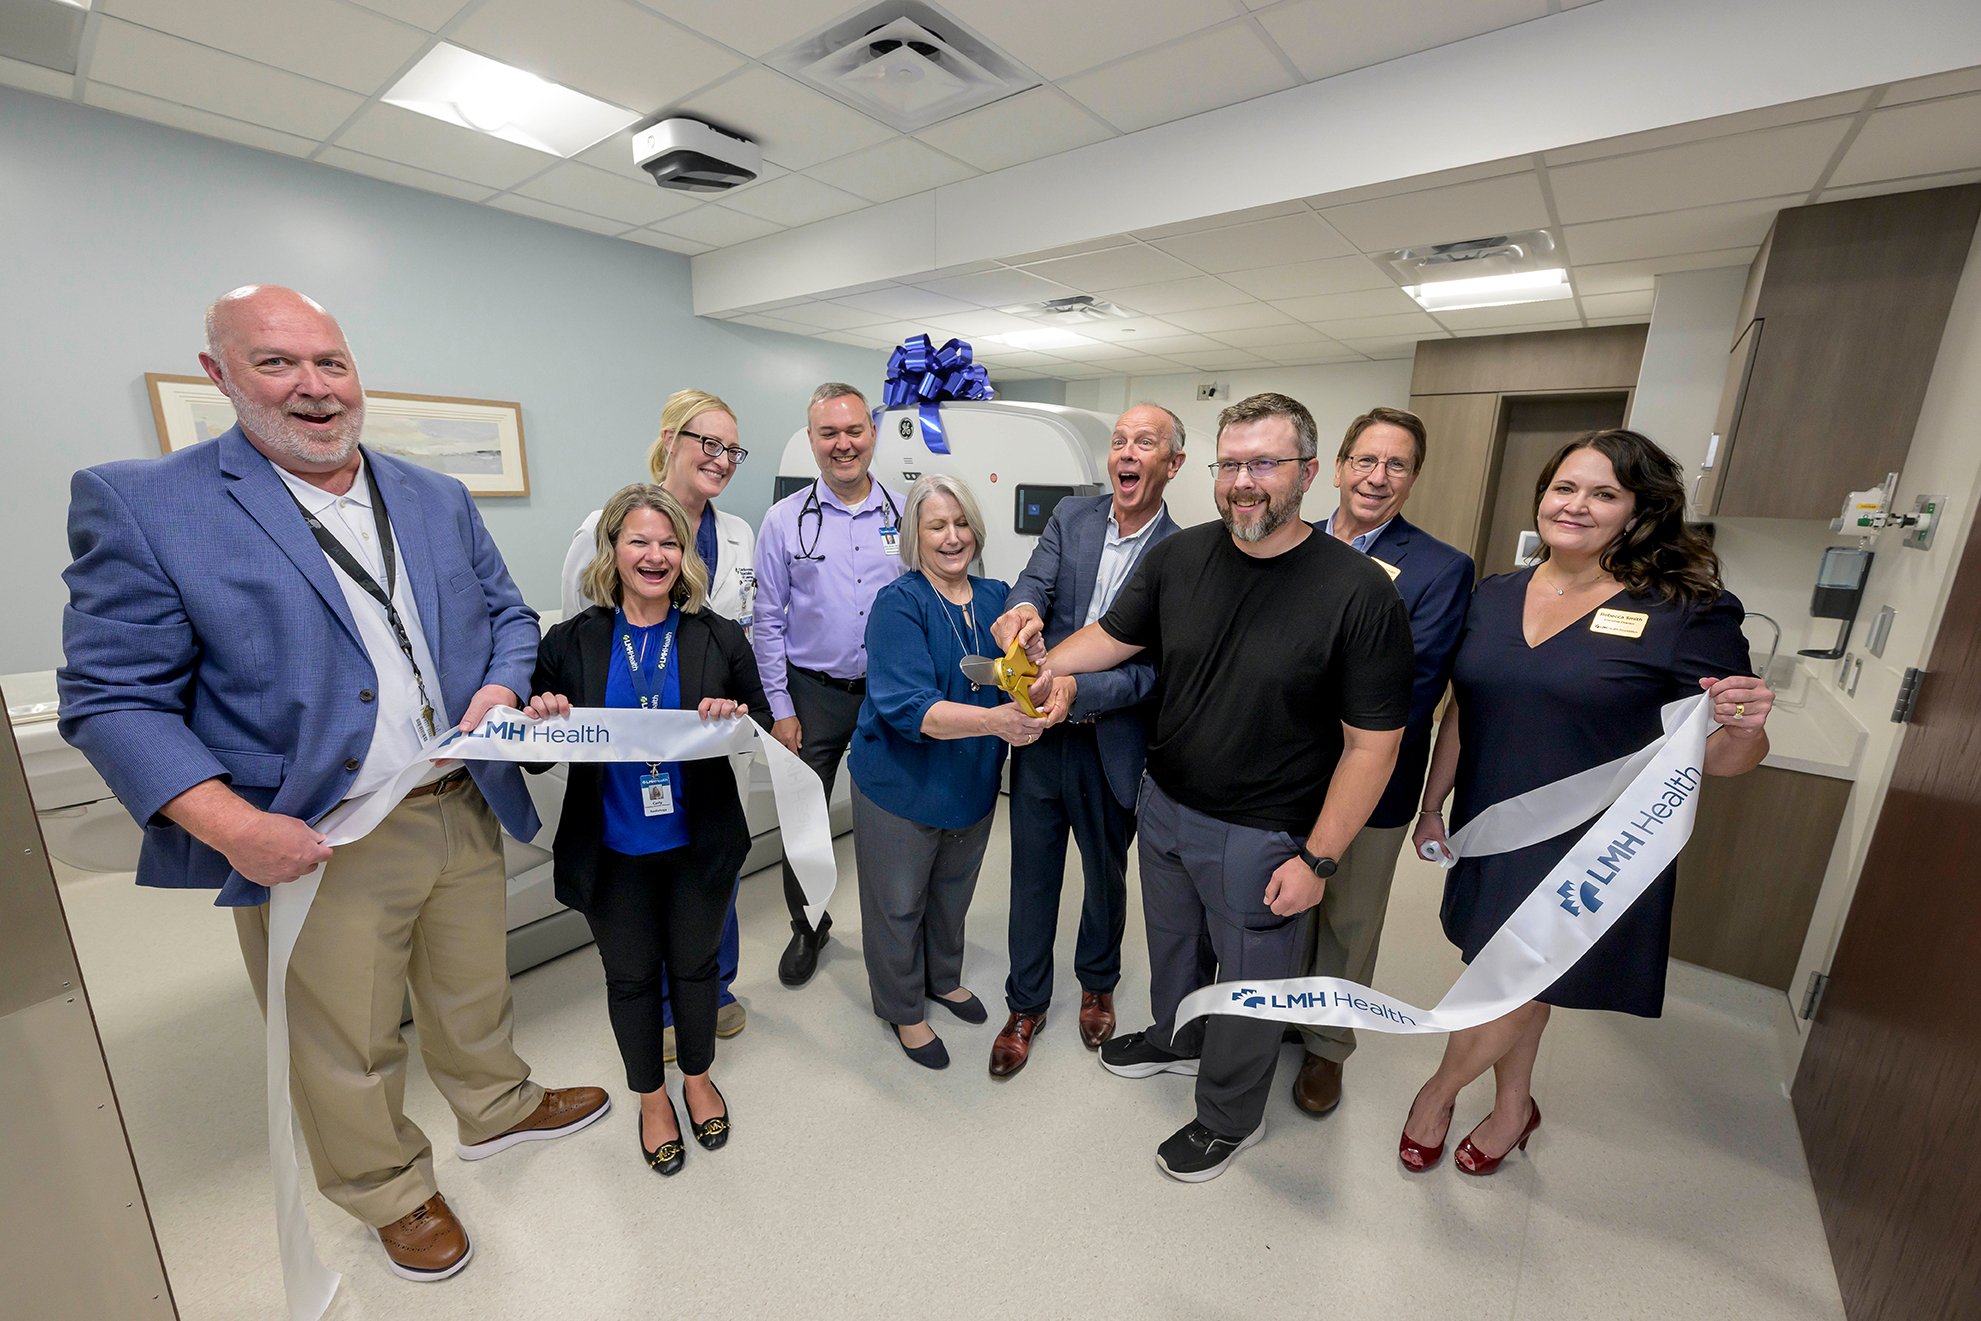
{"x": 1812, "y": 997}
{"x": 1909, "y": 685}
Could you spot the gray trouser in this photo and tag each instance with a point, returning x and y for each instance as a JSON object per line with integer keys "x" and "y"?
{"x": 916, "y": 882}
{"x": 1203, "y": 898}
{"x": 1347, "y": 927}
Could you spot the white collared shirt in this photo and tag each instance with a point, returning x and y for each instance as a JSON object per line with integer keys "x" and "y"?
{"x": 394, "y": 739}
{"x": 1118, "y": 558}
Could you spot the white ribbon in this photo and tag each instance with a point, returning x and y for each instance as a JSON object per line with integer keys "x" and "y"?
{"x": 1651, "y": 799}
{"x": 587, "y": 734}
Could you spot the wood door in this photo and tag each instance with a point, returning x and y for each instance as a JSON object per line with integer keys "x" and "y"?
{"x": 1533, "y": 428}
{"x": 1889, "y": 1090}
{"x": 1458, "y": 458}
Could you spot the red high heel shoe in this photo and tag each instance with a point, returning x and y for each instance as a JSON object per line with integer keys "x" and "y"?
{"x": 1417, "y": 1157}
{"x": 1470, "y": 1160}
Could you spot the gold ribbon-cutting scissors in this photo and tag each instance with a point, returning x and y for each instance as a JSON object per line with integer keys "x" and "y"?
{"x": 1013, "y": 672}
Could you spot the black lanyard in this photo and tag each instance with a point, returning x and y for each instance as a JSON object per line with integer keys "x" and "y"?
{"x": 816, "y": 509}
{"x": 341, "y": 556}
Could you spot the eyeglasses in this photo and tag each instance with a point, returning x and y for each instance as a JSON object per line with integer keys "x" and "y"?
{"x": 1364, "y": 464}
{"x": 1227, "y": 469}
{"x": 714, "y": 448}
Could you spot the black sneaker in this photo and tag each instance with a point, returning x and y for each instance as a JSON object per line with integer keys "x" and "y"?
{"x": 801, "y": 956}
{"x": 1194, "y": 1154}
{"x": 1135, "y": 1056}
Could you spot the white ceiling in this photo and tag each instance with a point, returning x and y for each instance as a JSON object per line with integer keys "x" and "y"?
{"x": 1288, "y": 284}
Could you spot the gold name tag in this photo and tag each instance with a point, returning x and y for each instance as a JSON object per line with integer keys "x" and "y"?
{"x": 1390, "y": 569}
{"x": 1619, "y": 623}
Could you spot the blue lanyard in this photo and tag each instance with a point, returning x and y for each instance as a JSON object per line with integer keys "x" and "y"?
{"x": 648, "y": 689}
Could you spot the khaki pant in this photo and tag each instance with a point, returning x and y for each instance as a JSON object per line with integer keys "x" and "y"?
{"x": 420, "y": 901}
{"x": 1347, "y": 926}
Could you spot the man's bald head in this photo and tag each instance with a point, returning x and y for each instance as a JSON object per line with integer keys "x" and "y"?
{"x": 225, "y": 313}
{"x": 284, "y": 364}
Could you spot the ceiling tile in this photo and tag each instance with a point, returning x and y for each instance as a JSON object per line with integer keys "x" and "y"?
{"x": 1704, "y": 229}
{"x": 429, "y": 14}
{"x": 1306, "y": 279}
{"x": 198, "y": 121}
{"x": 1114, "y": 268}
{"x": 1623, "y": 276}
{"x": 982, "y": 323}
{"x": 601, "y": 193}
{"x": 794, "y": 200}
{"x": 141, "y": 60}
{"x": 1094, "y": 351}
{"x": 1295, "y": 238}
{"x": 1129, "y": 330}
{"x": 1381, "y": 327}
{"x": 1633, "y": 302}
{"x": 998, "y": 288}
{"x": 1900, "y": 185}
{"x": 1514, "y": 314}
{"x": 753, "y": 28}
{"x": 717, "y": 226}
{"x": 411, "y": 139}
{"x": 34, "y": 78}
{"x": 1241, "y": 316}
{"x": 321, "y": 39}
{"x": 831, "y": 316}
{"x": 1028, "y": 126}
{"x": 609, "y": 49}
{"x": 1337, "y": 307}
{"x": 1958, "y": 83}
{"x": 1326, "y": 37}
{"x": 1307, "y": 355}
{"x": 1223, "y": 221}
{"x": 1217, "y": 68}
{"x": 797, "y": 127}
{"x": 1764, "y": 164}
{"x": 1058, "y": 39}
{"x": 1535, "y": 328}
{"x": 1443, "y": 215}
{"x": 1748, "y": 121}
{"x": 904, "y": 301}
{"x": 1168, "y": 346}
{"x": 1100, "y": 244}
{"x": 1222, "y": 360}
{"x": 1419, "y": 183}
{"x": 1081, "y": 372}
{"x": 1250, "y": 337}
{"x": 1383, "y": 350}
{"x": 557, "y": 215}
{"x": 393, "y": 172}
{"x": 1930, "y": 137}
{"x": 1177, "y": 295}
{"x": 1020, "y": 358}
{"x": 858, "y": 339}
{"x": 893, "y": 169}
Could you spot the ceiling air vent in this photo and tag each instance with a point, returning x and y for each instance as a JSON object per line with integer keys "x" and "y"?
{"x": 906, "y": 64}
{"x": 1073, "y": 310}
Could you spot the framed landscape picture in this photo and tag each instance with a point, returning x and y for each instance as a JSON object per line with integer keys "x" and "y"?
{"x": 477, "y": 441}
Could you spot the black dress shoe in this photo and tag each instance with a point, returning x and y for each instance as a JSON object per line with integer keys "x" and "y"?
{"x": 801, "y": 956}
{"x": 669, "y": 1156}
{"x": 970, "y": 1009}
{"x": 713, "y": 1133}
{"x": 930, "y": 1054}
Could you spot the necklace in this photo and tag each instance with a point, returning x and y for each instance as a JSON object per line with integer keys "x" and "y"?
{"x": 969, "y": 622}
{"x": 1563, "y": 591}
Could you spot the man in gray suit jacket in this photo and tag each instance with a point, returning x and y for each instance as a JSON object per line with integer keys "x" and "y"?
{"x": 1082, "y": 775}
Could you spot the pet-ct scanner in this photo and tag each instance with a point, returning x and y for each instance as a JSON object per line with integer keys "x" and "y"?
{"x": 1018, "y": 459}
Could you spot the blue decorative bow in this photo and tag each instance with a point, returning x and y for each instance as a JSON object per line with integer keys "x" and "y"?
{"x": 920, "y": 373}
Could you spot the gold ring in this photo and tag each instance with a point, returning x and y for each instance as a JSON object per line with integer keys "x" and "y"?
{"x": 1739, "y": 710}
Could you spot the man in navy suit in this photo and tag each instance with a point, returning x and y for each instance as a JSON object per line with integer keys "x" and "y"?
{"x": 1082, "y": 775}
{"x": 1378, "y": 462}
{"x": 263, "y": 626}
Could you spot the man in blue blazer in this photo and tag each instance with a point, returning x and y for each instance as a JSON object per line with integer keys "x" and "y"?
{"x": 1082, "y": 775}
{"x": 1378, "y": 462}
{"x": 261, "y": 627}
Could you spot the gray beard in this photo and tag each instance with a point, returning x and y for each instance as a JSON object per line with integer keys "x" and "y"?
{"x": 274, "y": 429}
{"x": 1278, "y": 514}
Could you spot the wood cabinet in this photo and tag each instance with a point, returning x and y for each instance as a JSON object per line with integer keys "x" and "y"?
{"x": 1838, "y": 331}
{"x": 1748, "y": 878}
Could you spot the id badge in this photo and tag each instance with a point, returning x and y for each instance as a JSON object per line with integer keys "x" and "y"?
{"x": 890, "y": 540}
{"x": 656, "y": 794}
{"x": 423, "y": 727}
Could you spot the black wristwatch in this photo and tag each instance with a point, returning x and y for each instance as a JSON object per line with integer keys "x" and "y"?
{"x": 1323, "y": 867}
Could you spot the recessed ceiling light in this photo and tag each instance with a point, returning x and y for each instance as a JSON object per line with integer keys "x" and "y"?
{"x": 1491, "y": 290}
{"x": 1482, "y": 272}
{"x": 1049, "y": 338}
{"x": 491, "y": 97}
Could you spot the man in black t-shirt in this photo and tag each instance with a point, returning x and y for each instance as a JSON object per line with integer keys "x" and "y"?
{"x": 1283, "y": 662}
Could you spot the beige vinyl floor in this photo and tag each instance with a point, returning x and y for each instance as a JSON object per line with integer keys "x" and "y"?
{"x": 1666, "y": 1181}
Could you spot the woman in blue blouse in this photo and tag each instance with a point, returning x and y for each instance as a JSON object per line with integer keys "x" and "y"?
{"x": 649, "y": 852}
{"x": 925, "y": 761}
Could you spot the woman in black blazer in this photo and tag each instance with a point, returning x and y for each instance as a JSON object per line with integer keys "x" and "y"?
{"x": 648, "y": 852}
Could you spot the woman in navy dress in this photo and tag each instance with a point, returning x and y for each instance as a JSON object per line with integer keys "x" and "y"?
{"x": 1562, "y": 667}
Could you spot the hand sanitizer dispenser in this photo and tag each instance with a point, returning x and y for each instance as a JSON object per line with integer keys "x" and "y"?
{"x": 1839, "y": 591}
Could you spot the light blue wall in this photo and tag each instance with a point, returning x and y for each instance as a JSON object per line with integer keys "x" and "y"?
{"x": 117, "y": 233}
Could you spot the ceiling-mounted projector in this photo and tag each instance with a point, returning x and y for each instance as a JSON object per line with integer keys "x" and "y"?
{"x": 690, "y": 156}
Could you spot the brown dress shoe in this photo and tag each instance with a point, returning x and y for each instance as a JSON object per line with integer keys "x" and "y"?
{"x": 1318, "y": 1088}
{"x": 427, "y": 1243}
{"x": 1014, "y": 1044}
{"x": 1096, "y": 1017}
{"x": 562, "y": 1111}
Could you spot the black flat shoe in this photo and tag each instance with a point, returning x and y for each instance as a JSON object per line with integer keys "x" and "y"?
{"x": 714, "y": 1132}
{"x": 669, "y": 1156}
{"x": 930, "y": 1055}
{"x": 970, "y": 1010}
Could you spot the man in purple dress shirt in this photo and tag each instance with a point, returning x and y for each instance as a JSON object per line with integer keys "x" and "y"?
{"x": 822, "y": 555}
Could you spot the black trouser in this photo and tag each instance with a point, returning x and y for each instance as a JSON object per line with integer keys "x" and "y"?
{"x": 658, "y": 919}
{"x": 1059, "y": 784}
{"x": 826, "y": 716}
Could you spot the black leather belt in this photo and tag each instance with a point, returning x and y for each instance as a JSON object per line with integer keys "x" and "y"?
{"x": 857, "y": 687}
{"x": 446, "y": 784}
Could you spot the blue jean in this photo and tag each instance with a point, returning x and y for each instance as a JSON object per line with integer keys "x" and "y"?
{"x": 725, "y": 959}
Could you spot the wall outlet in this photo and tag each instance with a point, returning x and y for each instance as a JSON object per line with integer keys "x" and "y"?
{"x": 1213, "y": 390}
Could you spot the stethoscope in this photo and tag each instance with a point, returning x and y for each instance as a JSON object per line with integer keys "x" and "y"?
{"x": 817, "y": 512}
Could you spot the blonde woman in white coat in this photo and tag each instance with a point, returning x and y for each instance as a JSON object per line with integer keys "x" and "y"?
{"x": 693, "y": 458}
